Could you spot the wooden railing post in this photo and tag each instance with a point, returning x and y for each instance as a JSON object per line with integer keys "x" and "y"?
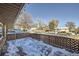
{"x": 4, "y": 31}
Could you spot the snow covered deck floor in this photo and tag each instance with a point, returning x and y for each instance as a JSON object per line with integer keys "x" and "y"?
{"x": 31, "y": 47}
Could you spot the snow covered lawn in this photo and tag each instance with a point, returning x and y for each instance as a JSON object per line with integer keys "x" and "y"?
{"x": 31, "y": 47}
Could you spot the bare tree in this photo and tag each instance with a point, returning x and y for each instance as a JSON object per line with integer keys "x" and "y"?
{"x": 53, "y": 24}
{"x": 71, "y": 26}
{"x": 24, "y": 20}
{"x": 40, "y": 23}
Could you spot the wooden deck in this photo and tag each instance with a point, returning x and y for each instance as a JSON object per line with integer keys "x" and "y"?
{"x": 69, "y": 44}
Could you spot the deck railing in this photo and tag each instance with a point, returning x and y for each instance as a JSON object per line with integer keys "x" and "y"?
{"x": 67, "y": 43}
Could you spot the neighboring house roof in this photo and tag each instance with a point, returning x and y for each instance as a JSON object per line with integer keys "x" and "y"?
{"x": 62, "y": 28}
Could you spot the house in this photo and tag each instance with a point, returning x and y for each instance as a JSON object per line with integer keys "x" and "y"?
{"x": 62, "y": 29}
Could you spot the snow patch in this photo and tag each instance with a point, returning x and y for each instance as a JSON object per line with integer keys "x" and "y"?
{"x": 32, "y": 47}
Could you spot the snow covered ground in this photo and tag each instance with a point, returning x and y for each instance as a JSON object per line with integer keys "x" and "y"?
{"x": 31, "y": 47}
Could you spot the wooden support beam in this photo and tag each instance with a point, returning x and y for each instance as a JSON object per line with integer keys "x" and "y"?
{"x": 4, "y": 31}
